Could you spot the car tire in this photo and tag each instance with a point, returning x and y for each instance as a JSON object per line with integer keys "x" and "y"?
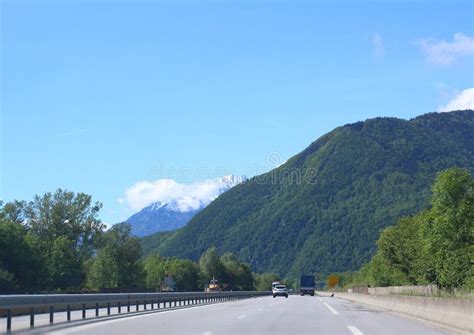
{"x": 286, "y": 296}
{"x": 274, "y": 296}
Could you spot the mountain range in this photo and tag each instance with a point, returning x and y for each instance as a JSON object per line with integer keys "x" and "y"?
{"x": 170, "y": 215}
{"x": 323, "y": 209}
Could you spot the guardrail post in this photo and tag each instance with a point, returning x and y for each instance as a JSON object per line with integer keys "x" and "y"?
{"x": 108, "y": 308}
{"x": 128, "y": 306}
{"x": 137, "y": 307}
{"x": 69, "y": 312}
{"x": 96, "y": 309}
{"x": 32, "y": 317}
{"x": 9, "y": 320}
{"x": 144, "y": 305}
{"x": 51, "y": 314}
{"x": 158, "y": 304}
{"x": 83, "y": 311}
{"x": 119, "y": 307}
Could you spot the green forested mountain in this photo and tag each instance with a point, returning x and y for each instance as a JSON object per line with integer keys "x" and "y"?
{"x": 323, "y": 210}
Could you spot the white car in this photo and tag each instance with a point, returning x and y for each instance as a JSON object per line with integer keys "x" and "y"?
{"x": 280, "y": 290}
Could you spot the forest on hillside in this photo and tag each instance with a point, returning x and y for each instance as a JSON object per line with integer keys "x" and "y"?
{"x": 324, "y": 209}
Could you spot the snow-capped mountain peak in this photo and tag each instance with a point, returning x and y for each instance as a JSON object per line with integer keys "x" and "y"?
{"x": 177, "y": 206}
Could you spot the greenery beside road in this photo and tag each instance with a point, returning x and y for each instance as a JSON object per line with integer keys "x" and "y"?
{"x": 56, "y": 243}
{"x": 435, "y": 246}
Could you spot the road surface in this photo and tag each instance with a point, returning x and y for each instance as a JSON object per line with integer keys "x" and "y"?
{"x": 266, "y": 315}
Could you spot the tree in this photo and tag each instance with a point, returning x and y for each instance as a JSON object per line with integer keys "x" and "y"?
{"x": 210, "y": 265}
{"x": 263, "y": 282}
{"x": 65, "y": 214}
{"x": 154, "y": 267}
{"x": 61, "y": 228}
{"x": 401, "y": 246}
{"x": 185, "y": 273}
{"x": 122, "y": 252}
{"x": 18, "y": 258}
{"x": 237, "y": 276}
{"x": 64, "y": 266}
{"x": 449, "y": 230}
{"x": 102, "y": 272}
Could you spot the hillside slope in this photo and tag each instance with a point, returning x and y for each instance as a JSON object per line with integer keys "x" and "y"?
{"x": 323, "y": 209}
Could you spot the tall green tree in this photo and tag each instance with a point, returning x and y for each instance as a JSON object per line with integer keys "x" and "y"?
{"x": 210, "y": 265}
{"x": 67, "y": 214}
{"x": 102, "y": 271}
{"x": 449, "y": 229}
{"x": 185, "y": 273}
{"x": 237, "y": 276}
{"x": 19, "y": 261}
{"x": 118, "y": 260}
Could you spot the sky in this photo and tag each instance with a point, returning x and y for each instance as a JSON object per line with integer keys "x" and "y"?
{"x": 105, "y": 97}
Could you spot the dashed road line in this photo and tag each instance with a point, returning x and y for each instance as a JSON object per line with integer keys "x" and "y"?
{"x": 242, "y": 317}
{"x": 355, "y": 330}
{"x": 333, "y": 311}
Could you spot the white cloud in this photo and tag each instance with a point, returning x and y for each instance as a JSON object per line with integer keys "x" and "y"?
{"x": 377, "y": 43}
{"x": 464, "y": 100}
{"x": 445, "y": 52}
{"x": 185, "y": 197}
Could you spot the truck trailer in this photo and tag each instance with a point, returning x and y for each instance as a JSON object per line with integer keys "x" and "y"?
{"x": 307, "y": 285}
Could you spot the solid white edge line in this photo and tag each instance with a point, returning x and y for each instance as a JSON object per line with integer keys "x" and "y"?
{"x": 333, "y": 311}
{"x": 76, "y": 328}
{"x": 355, "y": 330}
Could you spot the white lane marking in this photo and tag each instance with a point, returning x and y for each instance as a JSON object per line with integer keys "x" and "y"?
{"x": 333, "y": 311}
{"x": 355, "y": 330}
{"x": 320, "y": 299}
{"x": 207, "y": 333}
{"x": 242, "y": 317}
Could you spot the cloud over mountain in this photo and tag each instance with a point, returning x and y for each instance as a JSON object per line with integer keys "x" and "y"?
{"x": 463, "y": 101}
{"x": 186, "y": 197}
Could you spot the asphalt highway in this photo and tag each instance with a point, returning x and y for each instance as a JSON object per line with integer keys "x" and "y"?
{"x": 266, "y": 315}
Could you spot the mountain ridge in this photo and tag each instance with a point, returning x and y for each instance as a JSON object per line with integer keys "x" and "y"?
{"x": 364, "y": 176}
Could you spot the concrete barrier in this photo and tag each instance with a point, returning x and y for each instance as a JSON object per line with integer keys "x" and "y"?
{"x": 419, "y": 290}
{"x": 453, "y": 313}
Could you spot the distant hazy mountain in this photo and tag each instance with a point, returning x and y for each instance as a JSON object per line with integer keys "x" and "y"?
{"x": 324, "y": 208}
{"x": 171, "y": 215}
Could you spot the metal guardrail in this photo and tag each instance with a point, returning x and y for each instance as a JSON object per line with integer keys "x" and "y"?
{"x": 73, "y": 302}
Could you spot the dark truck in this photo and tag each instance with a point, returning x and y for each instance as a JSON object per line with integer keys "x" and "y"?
{"x": 307, "y": 285}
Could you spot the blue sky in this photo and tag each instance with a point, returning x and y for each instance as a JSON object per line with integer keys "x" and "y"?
{"x": 97, "y": 96}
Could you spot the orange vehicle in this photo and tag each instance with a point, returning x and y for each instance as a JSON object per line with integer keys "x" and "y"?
{"x": 213, "y": 286}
